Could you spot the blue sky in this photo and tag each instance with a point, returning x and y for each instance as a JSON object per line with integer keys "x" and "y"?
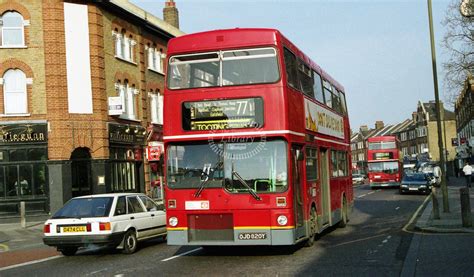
{"x": 378, "y": 49}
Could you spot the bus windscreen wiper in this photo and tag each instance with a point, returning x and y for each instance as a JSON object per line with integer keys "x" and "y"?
{"x": 243, "y": 182}
{"x": 205, "y": 174}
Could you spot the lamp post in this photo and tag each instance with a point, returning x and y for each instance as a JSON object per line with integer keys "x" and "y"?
{"x": 444, "y": 188}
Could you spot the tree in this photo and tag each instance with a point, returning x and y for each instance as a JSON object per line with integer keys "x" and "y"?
{"x": 458, "y": 41}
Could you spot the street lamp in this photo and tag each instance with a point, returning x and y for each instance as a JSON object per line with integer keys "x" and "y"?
{"x": 444, "y": 188}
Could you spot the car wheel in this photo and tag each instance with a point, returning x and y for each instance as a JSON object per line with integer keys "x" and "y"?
{"x": 68, "y": 251}
{"x": 313, "y": 225}
{"x": 401, "y": 191}
{"x": 344, "y": 218}
{"x": 130, "y": 242}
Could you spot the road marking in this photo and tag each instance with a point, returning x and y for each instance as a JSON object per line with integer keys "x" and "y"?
{"x": 371, "y": 192}
{"x": 385, "y": 241}
{"x": 397, "y": 208}
{"x": 360, "y": 196}
{"x": 415, "y": 214}
{"x": 31, "y": 262}
{"x": 182, "y": 254}
{"x": 357, "y": 240}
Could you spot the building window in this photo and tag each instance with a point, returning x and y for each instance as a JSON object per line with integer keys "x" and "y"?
{"x": 403, "y": 136}
{"x": 156, "y": 108}
{"x": 124, "y": 46}
{"x": 422, "y": 131}
{"x": 14, "y": 89}
{"x": 127, "y": 94}
{"x": 12, "y": 30}
{"x": 123, "y": 171}
{"x": 156, "y": 59}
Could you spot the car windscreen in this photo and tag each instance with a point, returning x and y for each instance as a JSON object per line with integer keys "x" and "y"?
{"x": 415, "y": 177}
{"x": 85, "y": 207}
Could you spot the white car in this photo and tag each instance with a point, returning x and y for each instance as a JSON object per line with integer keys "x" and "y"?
{"x": 112, "y": 220}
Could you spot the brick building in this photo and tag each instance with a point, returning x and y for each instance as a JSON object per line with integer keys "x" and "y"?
{"x": 464, "y": 110}
{"x": 80, "y": 99}
{"x": 421, "y": 135}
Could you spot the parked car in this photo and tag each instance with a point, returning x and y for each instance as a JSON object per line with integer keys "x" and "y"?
{"x": 358, "y": 179}
{"x": 111, "y": 220}
{"x": 416, "y": 182}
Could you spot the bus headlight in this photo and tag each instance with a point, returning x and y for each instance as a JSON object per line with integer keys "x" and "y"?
{"x": 173, "y": 221}
{"x": 282, "y": 220}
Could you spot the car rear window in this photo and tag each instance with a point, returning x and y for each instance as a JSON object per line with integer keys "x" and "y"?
{"x": 85, "y": 207}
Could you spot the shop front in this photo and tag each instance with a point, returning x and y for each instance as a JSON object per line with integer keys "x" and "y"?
{"x": 126, "y": 143}
{"x": 23, "y": 168}
{"x": 154, "y": 156}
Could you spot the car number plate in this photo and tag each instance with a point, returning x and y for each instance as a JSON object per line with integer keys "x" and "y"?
{"x": 252, "y": 236}
{"x": 413, "y": 189}
{"x": 73, "y": 229}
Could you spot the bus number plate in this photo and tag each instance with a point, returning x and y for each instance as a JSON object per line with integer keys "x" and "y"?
{"x": 252, "y": 236}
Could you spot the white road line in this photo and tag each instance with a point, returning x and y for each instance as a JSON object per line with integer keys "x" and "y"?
{"x": 371, "y": 192}
{"x": 361, "y": 195}
{"x": 182, "y": 254}
{"x": 397, "y": 208}
{"x": 30, "y": 263}
{"x": 385, "y": 241}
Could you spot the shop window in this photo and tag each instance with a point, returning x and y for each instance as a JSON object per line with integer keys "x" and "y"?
{"x": 14, "y": 92}
{"x": 12, "y": 30}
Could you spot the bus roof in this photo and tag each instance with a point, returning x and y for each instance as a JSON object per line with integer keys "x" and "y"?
{"x": 236, "y": 38}
{"x": 382, "y": 138}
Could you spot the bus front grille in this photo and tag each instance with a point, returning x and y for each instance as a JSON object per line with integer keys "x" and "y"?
{"x": 210, "y": 227}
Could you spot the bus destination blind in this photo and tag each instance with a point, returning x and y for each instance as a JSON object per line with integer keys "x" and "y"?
{"x": 223, "y": 114}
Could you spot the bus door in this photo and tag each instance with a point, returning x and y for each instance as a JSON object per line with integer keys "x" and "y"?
{"x": 297, "y": 180}
{"x": 325, "y": 188}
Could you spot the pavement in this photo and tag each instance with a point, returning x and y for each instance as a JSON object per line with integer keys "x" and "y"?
{"x": 19, "y": 245}
{"x": 448, "y": 222}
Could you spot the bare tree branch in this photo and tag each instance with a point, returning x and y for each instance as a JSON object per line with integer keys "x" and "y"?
{"x": 458, "y": 41}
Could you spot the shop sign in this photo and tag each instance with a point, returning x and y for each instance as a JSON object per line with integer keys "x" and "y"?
{"x": 154, "y": 151}
{"x": 127, "y": 134}
{"x": 23, "y": 133}
{"x": 115, "y": 105}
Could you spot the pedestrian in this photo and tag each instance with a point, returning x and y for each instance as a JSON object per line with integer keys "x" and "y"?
{"x": 467, "y": 169}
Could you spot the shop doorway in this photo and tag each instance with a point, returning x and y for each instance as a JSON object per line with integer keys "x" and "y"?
{"x": 81, "y": 172}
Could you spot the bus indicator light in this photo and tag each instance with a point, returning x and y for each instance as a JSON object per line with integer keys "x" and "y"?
{"x": 281, "y": 201}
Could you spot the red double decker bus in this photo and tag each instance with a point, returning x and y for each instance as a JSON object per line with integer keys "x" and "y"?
{"x": 384, "y": 162}
{"x": 257, "y": 141}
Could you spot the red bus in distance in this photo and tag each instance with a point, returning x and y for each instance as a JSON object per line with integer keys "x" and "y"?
{"x": 384, "y": 162}
{"x": 256, "y": 141}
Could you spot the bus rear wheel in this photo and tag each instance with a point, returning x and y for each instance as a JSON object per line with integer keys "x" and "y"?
{"x": 313, "y": 226}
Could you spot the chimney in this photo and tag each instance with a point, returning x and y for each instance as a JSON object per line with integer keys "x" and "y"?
{"x": 364, "y": 128}
{"x": 379, "y": 125}
{"x": 413, "y": 117}
{"x": 170, "y": 13}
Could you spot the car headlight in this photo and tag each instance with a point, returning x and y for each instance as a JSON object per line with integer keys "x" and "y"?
{"x": 282, "y": 220}
{"x": 404, "y": 186}
{"x": 173, "y": 221}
